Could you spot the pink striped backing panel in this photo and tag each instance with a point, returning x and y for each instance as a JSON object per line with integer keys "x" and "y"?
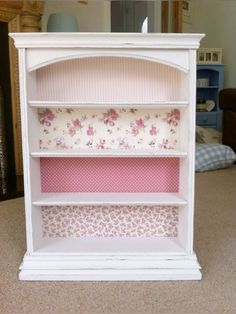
{"x": 113, "y": 79}
{"x": 110, "y": 174}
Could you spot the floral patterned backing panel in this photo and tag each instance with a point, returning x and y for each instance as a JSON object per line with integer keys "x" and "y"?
{"x": 110, "y": 221}
{"x": 109, "y": 128}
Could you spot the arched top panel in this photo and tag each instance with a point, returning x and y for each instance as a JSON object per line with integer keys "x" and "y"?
{"x": 110, "y": 78}
{"x": 37, "y": 59}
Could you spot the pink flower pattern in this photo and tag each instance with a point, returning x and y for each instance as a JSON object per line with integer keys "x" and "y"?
{"x": 137, "y": 126}
{"x": 46, "y": 116}
{"x": 74, "y": 126}
{"x": 153, "y": 131}
{"x": 76, "y": 123}
{"x": 110, "y": 221}
{"x": 172, "y": 117}
{"x": 65, "y": 128}
{"x": 90, "y": 131}
{"x": 110, "y": 116}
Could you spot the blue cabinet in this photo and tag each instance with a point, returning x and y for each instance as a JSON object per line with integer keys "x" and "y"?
{"x": 210, "y": 80}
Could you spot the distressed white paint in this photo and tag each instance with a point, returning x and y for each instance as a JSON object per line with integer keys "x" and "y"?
{"x": 110, "y": 267}
{"x": 51, "y": 199}
{"x": 109, "y": 153}
{"x": 109, "y": 258}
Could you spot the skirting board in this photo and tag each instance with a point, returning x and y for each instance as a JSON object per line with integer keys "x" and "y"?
{"x": 109, "y": 267}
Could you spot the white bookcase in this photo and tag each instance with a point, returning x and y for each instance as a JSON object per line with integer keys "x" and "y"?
{"x": 108, "y": 126}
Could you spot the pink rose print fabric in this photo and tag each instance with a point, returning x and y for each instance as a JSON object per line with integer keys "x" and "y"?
{"x": 109, "y": 128}
{"x": 110, "y": 221}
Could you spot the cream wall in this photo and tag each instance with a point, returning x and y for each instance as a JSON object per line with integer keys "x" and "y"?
{"x": 92, "y": 17}
{"x": 217, "y": 19}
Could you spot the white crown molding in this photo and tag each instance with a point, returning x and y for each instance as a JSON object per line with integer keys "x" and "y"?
{"x": 108, "y": 40}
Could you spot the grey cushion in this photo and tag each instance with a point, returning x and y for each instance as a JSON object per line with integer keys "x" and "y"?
{"x": 213, "y": 156}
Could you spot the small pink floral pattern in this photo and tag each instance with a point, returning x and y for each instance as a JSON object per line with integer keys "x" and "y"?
{"x": 110, "y": 116}
{"x": 73, "y": 126}
{"x": 153, "y": 131}
{"x": 46, "y": 117}
{"x": 172, "y": 117}
{"x": 110, "y": 221}
{"x": 137, "y": 126}
{"x": 109, "y": 129}
{"x": 90, "y": 131}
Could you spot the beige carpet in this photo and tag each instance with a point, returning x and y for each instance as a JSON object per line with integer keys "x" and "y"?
{"x": 215, "y": 245}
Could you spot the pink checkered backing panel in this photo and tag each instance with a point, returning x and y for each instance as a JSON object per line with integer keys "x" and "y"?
{"x": 144, "y": 175}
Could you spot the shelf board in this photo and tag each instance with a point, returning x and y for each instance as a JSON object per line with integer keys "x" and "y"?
{"x": 74, "y": 198}
{"x": 109, "y": 153}
{"x": 208, "y": 113}
{"x": 208, "y": 87}
{"x": 109, "y": 245}
{"x": 86, "y": 104}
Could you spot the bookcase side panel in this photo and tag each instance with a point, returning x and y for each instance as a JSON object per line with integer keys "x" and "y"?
{"x": 25, "y": 150}
{"x": 188, "y": 236}
{"x": 187, "y": 170}
{"x": 37, "y": 232}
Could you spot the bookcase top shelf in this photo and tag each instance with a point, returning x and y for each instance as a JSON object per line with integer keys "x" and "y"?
{"x": 93, "y": 104}
{"x": 151, "y": 47}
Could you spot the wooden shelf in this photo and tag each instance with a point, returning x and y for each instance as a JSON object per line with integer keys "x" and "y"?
{"x": 64, "y": 199}
{"x": 92, "y": 104}
{"x": 109, "y": 153}
{"x": 214, "y": 74}
{"x": 208, "y": 87}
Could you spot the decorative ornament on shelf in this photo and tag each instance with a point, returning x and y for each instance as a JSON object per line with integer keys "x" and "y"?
{"x": 209, "y": 56}
{"x": 62, "y": 22}
{"x": 205, "y": 105}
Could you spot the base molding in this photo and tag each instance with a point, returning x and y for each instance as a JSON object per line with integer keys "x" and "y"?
{"x": 109, "y": 267}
